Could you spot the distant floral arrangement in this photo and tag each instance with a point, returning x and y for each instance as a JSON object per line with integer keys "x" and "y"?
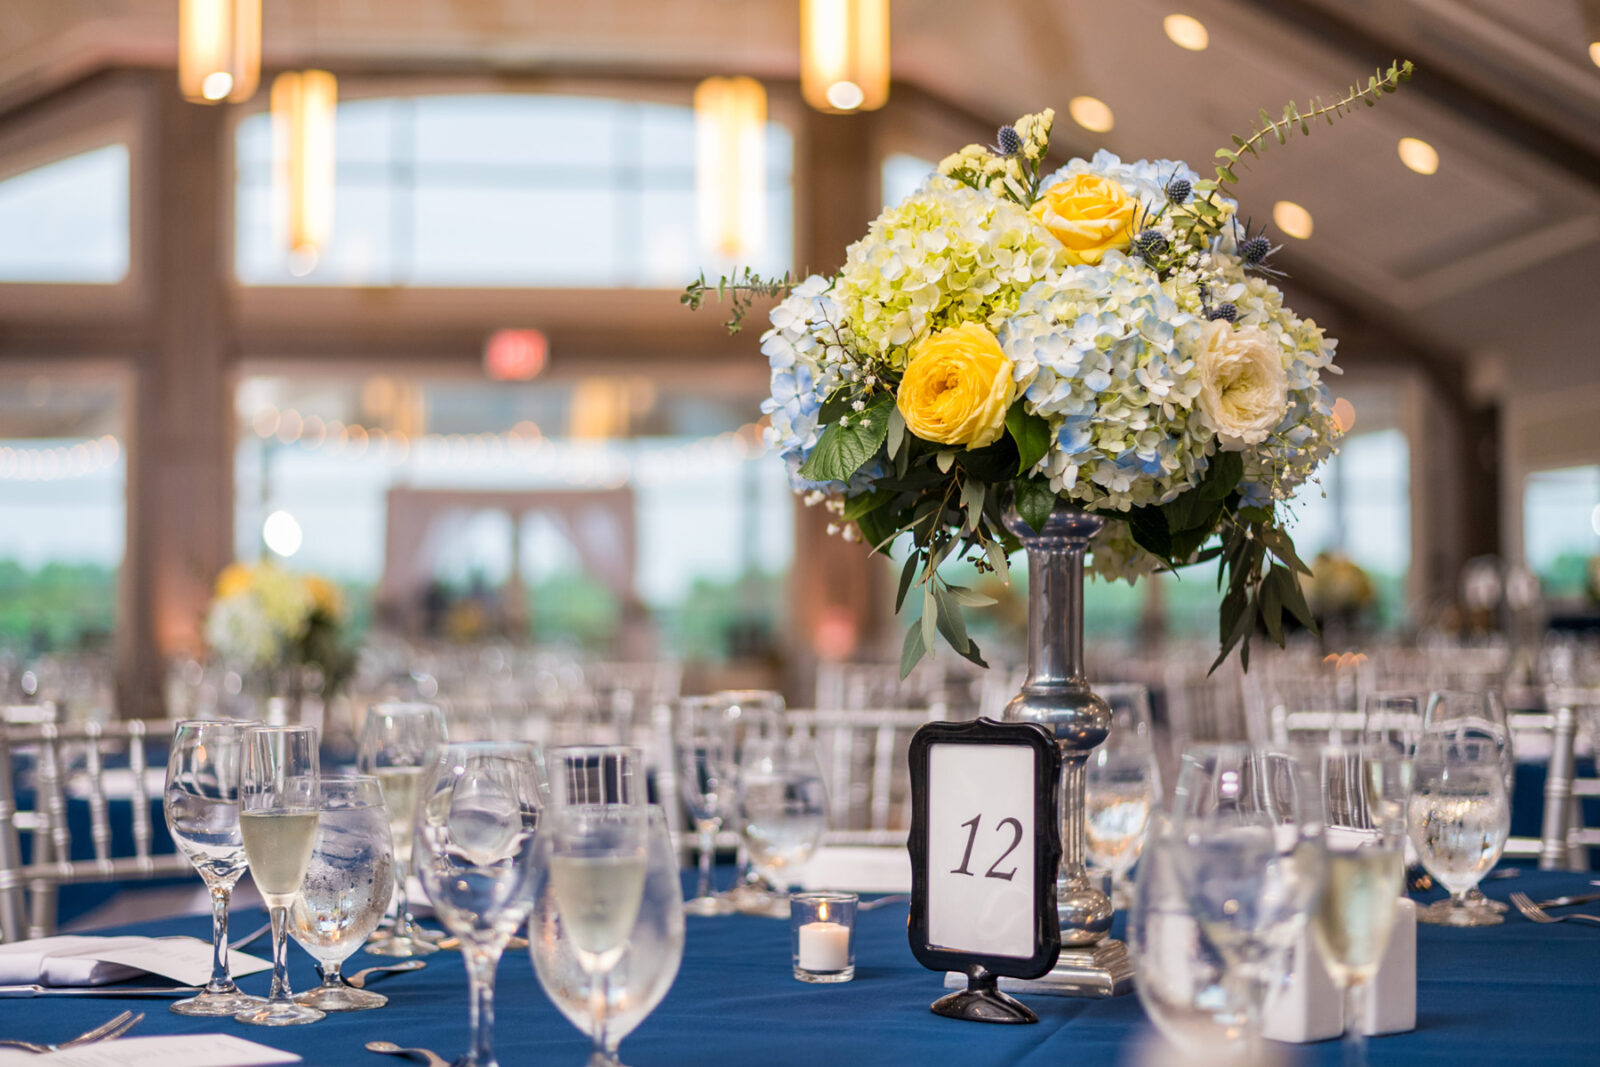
{"x": 1104, "y": 335}
{"x": 263, "y": 617}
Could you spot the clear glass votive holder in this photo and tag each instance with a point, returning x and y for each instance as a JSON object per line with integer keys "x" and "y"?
{"x": 822, "y": 936}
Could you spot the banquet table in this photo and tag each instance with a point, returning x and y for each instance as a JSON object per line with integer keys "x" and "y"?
{"x": 1519, "y": 992}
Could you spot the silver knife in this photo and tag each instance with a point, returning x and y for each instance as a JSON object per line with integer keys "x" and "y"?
{"x": 98, "y": 991}
{"x": 1562, "y": 902}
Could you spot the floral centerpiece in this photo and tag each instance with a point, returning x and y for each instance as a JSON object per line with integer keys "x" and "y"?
{"x": 1105, "y": 335}
{"x": 264, "y": 619}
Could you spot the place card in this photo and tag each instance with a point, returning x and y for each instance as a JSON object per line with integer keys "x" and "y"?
{"x": 186, "y": 960}
{"x": 78, "y": 960}
{"x": 185, "y": 1050}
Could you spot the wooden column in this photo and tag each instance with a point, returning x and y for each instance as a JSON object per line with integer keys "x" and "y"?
{"x": 836, "y": 197}
{"x": 180, "y": 459}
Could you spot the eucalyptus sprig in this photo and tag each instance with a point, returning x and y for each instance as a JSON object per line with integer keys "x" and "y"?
{"x": 1381, "y": 82}
{"x": 741, "y": 290}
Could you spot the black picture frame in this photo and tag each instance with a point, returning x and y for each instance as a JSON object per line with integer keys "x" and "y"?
{"x": 982, "y": 1000}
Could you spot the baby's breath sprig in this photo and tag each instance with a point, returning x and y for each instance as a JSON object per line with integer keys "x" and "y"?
{"x": 741, "y": 290}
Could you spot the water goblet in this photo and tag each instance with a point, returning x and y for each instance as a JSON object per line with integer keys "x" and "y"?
{"x": 703, "y": 743}
{"x": 478, "y": 808}
{"x": 1250, "y": 824}
{"x": 755, "y": 715}
{"x": 1474, "y": 714}
{"x": 346, "y": 889}
{"x": 201, "y": 803}
{"x": 1121, "y": 785}
{"x": 1458, "y": 817}
{"x": 278, "y": 801}
{"x": 398, "y": 741}
{"x": 783, "y": 812}
{"x": 598, "y": 858}
{"x": 646, "y": 969}
{"x": 1364, "y": 803}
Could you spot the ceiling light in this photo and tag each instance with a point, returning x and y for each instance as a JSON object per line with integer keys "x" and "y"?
{"x": 282, "y": 534}
{"x": 844, "y": 54}
{"x": 1594, "y": 52}
{"x": 1186, "y": 31}
{"x": 303, "y": 110}
{"x": 1292, "y": 219}
{"x": 219, "y": 49}
{"x": 1420, "y": 156}
{"x": 1091, "y": 113}
{"x": 730, "y": 166}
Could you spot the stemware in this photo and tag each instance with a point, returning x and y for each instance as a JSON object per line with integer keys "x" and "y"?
{"x": 1364, "y": 804}
{"x": 278, "y": 800}
{"x": 1477, "y": 714}
{"x": 783, "y": 813}
{"x": 754, "y": 715}
{"x": 597, "y": 861}
{"x": 1458, "y": 817}
{"x": 398, "y": 741}
{"x": 346, "y": 889}
{"x": 1121, "y": 785}
{"x": 647, "y": 966}
{"x": 201, "y": 802}
{"x": 477, "y": 811}
{"x": 1250, "y": 825}
{"x": 703, "y": 744}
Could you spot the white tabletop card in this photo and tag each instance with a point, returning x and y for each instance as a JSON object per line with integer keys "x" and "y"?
{"x": 184, "y": 959}
{"x": 85, "y": 960}
{"x": 185, "y": 1050}
{"x": 981, "y": 849}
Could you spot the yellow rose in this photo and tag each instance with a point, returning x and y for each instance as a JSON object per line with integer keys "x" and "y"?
{"x": 957, "y": 387}
{"x": 1089, "y": 214}
{"x": 324, "y": 596}
{"x": 234, "y": 579}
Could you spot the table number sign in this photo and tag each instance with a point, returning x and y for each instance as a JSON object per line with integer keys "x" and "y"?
{"x": 984, "y": 853}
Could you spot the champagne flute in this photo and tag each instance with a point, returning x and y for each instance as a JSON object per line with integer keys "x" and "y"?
{"x": 1474, "y": 714}
{"x": 1458, "y": 816}
{"x": 649, "y": 963}
{"x": 398, "y": 741}
{"x": 477, "y": 811}
{"x": 1364, "y": 801}
{"x": 201, "y": 802}
{"x": 597, "y": 861}
{"x": 278, "y": 800}
{"x": 704, "y": 748}
{"x": 347, "y": 888}
{"x": 1250, "y": 823}
{"x": 783, "y": 808}
{"x": 1121, "y": 784}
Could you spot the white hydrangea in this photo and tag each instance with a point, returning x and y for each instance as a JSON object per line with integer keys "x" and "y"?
{"x": 239, "y": 630}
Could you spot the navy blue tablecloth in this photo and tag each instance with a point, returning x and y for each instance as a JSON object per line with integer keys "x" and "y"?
{"x": 1517, "y": 993}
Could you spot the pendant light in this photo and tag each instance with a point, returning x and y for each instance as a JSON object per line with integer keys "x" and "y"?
{"x": 303, "y": 108}
{"x": 730, "y": 172}
{"x": 219, "y": 49}
{"x": 844, "y": 54}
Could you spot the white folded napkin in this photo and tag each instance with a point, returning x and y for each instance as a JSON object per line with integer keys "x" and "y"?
{"x": 860, "y": 868}
{"x": 57, "y": 961}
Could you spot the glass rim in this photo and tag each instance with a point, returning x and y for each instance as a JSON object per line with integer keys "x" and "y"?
{"x": 606, "y": 750}
{"x": 830, "y": 896}
{"x": 404, "y": 707}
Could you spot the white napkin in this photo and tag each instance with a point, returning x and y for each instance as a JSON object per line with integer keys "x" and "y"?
{"x": 184, "y": 1050}
{"x": 55, "y": 961}
{"x": 861, "y": 868}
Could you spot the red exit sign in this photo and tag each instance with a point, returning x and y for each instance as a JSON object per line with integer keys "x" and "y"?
{"x": 515, "y": 355}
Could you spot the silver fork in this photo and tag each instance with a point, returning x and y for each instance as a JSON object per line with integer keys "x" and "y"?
{"x": 1525, "y": 904}
{"x": 114, "y": 1027}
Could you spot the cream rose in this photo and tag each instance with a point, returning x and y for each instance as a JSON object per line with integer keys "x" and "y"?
{"x": 1243, "y": 389}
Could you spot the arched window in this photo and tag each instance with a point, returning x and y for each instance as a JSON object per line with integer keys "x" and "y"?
{"x": 503, "y": 190}
{"x": 67, "y": 221}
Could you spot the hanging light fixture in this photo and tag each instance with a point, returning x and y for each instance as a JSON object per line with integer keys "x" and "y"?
{"x": 303, "y": 105}
{"x": 730, "y": 167}
{"x": 219, "y": 49}
{"x": 844, "y": 54}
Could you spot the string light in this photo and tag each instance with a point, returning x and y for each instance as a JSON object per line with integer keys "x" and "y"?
{"x": 75, "y": 460}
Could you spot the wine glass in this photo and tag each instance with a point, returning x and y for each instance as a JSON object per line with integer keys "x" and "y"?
{"x": 201, "y": 802}
{"x": 1364, "y": 803}
{"x": 398, "y": 741}
{"x": 477, "y": 810}
{"x": 598, "y": 858}
{"x": 1474, "y": 714}
{"x": 648, "y": 964}
{"x": 704, "y": 747}
{"x": 754, "y": 714}
{"x": 1458, "y": 816}
{"x": 783, "y": 812}
{"x": 278, "y": 801}
{"x": 1121, "y": 784}
{"x": 347, "y": 888}
{"x": 1250, "y": 823}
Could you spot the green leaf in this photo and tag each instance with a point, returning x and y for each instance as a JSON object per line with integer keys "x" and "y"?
{"x": 1278, "y": 541}
{"x": 1222, "y": 476}
{"x": 950, "y": 622}
{"x": 1035, "y": 500}
{"x": 1272, "y": 605}
{"x": 896, "y": 436}
{"x": 972, "y": 655}
{"x": 998, "y": 560}
{"x": 1031, "y": 434}
{"x": 839, "y": 402}
{"x": 972, "y": 493}
{"x": 842, "y": 450}
{"x": 1294, "y": 598}
{"x": 913, "y": 650}
{"x": 1150, "y": 532}
{"x": 857, "y": 506}
{"x": 944, "y": 460}
{"x": 930, "y": 609}
{"x": 907, "y": 572}
{"x": 880, "y": 527}
{"x": 969, "y": 598}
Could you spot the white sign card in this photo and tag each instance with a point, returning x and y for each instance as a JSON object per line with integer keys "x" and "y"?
{"x": 981, "y": 879}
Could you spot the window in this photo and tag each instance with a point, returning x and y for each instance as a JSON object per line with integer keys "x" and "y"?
{"x": 1561, "y": 527}
{"x": 901, "y": 175}
{"x": 67, "y": 221}
{"x": 503, "y": 190}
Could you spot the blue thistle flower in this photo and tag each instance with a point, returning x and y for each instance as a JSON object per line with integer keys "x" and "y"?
{"x": 1009, "y": 141}
{"x": 1223, "y": 311}
{"x": 1150, "y": 243}
{"x": 1178, "y": 190}
{"x": 1255, "y": 249}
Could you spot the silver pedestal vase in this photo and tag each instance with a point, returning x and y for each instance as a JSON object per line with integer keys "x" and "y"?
{"x": 1057, "y": 696}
